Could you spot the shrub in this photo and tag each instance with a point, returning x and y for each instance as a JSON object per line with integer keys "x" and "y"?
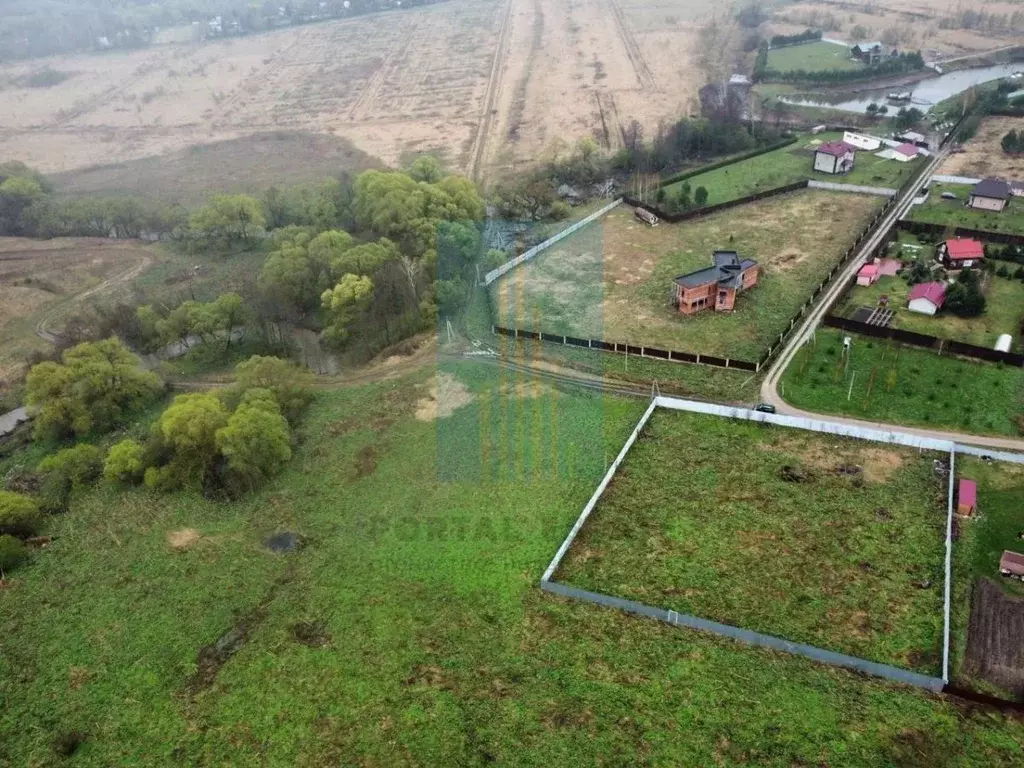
{"x": 12, "y": 553}
{"x": 19, "y": 515}
{"x": 125, "y": 462}
{"x": 1003, "y": 271}
{"x": 291, "y": 385}
{"x": 80, "y": 465}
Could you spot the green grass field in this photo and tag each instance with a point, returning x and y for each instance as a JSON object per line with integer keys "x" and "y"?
{"x": 926, "y": 389}
{"x": 812, "y": 57}
{"x": 978, "y": 550}
{"x": 955, "y": 213}
{"x": 1003, "y": 313}
{"x": 613, "y": 280}
{"x": 789, "y": 165}
{"x": 701, "y": 520}
{"x": 409, "y": 629}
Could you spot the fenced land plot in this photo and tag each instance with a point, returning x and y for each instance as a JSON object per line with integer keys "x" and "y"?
{"x": 613, "y": 280}
{"x": 988, "y": 609}
{"x": 829, "y": 541}
{"x": 812, "y": 57}
{"x": 791, "y": 164}
{"x": 955, "y": 213}
{"x": 1004, "y": 311}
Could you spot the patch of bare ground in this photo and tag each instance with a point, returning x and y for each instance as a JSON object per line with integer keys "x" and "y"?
{"x": 983, "y": 155}
{"x": 995, "y": 652}
{"x": 184, "y": 538}
{"x": 874, "y": 465}
{"x": 447, "y": 395}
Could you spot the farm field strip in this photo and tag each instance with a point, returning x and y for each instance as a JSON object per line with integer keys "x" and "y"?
{"x": 588, "y": 548}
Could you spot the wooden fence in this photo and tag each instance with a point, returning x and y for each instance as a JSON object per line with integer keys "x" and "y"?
{"x": 675, "y": 218}
{"x": 924, "y": 227}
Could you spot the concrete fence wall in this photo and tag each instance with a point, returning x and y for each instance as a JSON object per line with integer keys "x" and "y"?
{"x": 855, "y": 188}
{"x": 524, "y": 257}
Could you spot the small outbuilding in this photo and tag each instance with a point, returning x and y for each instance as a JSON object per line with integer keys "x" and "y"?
{"x": 861, "y": 141}
{"x": 868, "y": 275}
{"x": 1004, "y": 343}
{"x": 834, "y": 157}
{"x": 960, "y": 253}
{"x": 1012, "y": 564}
{"x": 989, "y": 195}
{"x": 905, "y": 152}
{"x": 647, "y": 217}
{"x": 967, "y": 498}
{"x": 927, "y": 298}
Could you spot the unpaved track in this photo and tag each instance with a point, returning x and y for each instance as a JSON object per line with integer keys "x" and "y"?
{"x": 107, "y": 286}
{"x": 476, "y": 163}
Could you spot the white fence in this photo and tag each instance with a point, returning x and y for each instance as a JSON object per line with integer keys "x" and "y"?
{"x": 855, "y": 188}
{"x": 943, "y": 179}
{"x": 508, "y": 266}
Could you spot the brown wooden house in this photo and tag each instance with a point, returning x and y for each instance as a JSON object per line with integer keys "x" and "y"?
{"x": 717, "y": 286}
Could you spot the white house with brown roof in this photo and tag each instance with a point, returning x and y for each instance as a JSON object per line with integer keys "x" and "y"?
{"x": 834, "y": 157}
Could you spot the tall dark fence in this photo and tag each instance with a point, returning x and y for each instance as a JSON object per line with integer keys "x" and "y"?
{"x": 943, "y": 346}
{"x": 927, "y": 228}
{"x": 683, "y": 175}
{"x": 675, "y": 218}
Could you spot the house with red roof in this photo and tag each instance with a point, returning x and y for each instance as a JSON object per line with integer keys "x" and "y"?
{"x": 927, "y": 298}
{"x": 904, "y": 153}
{"x": 868, "y": 275}
{"x": 834, "y": 157}
{"x": 960, "y": 253}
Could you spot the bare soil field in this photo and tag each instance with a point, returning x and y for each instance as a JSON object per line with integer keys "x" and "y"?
{"x": 914, "y": 22}
{"x": 38, "y": 278}
{"x": 480, "y": 82}
{"x": 983, "y": 155}
{"x": 249, "y": 164}
{"x": 995, "y": 653}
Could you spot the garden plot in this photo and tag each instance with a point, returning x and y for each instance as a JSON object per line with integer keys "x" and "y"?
{"x": 817, "y": 539}
{"x": 613, "y": 280}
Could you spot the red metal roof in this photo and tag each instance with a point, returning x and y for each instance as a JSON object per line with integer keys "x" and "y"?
{"x": 968, "y": 495}
{"x": 868, "y": 270}
{"x": 908, "y": 149}
{"x": 1012, "y": 562}
{"x": 836, "y": 148}
{"x": 934, "y": 292}
{"x": 965, "y": 249}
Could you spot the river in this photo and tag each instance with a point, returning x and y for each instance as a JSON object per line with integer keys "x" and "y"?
{"x": 924, "y": 94}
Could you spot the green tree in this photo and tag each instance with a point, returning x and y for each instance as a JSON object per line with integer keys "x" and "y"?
{"x": 450, "y": 295}
{"x": 227, "y": 221}
{"x": 426, "y": 168}
{"x": 125, "y": 462}
{"x": 77, "y": 467}
{"x": 19, "y": 515}
{"x": 17, "y": 193}
{"x": 255, "y": 441}
{"x": 291, "y": 385}
{"x": 700, "y": 197}
{"x": 364, "y": 259}
{"x": 343, "y": 304}
{"x": 186, "y": 431}
{"x": 93, "y": 388}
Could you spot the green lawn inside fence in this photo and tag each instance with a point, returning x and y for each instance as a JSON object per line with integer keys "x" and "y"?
{"x": 1003, "y": 313}
{"x": 409, "y": 628}
{"x": 813, "y": 57}
{"x": 789, "y": 165}
{"x": 955, "y": 213}
{"x": 829, "y": 541}
{"x": 898, "y": 384}
{"x": 614, "y": 279}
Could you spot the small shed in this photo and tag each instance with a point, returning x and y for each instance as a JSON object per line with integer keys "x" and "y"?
{"x": 868, "y": 275}
{"x": 927, "y": 298}
{"x": 861, "y": 141}
{"x": 967, "y": 498}
{"x": 647, "y": 217}
{"x": 1004, "y": 342}
{"x": 905, "y": 152}
{"x": 1012, "y": 564}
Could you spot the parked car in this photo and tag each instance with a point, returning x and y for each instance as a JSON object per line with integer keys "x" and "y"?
{"x": 949, "y": 195}
{"x": 765, "y": 408}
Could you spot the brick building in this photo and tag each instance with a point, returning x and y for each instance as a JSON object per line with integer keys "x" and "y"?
{"x": 717, "y": 286}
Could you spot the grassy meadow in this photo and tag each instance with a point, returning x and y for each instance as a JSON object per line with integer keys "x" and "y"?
{"x": 704, "y": 519}
{"x": 812, "y": 57}
{"x": 613, "y": 280}
{"x": 955, "y": 213}
{"x": 905, "y": 385}
{"x": 789, "y": 165}
{"x": 409, "y": 629}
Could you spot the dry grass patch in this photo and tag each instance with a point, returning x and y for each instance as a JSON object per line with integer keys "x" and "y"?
{"x": 447, "y": 395}
{"x": 183, "y": 538}
{"x": 983, "y": 155}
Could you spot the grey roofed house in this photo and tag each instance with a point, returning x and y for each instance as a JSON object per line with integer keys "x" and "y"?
{"x": 726, "y": 270}
{"x": 996, "y": 189}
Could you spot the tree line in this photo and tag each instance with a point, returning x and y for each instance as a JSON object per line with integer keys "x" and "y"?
{"x": 899, "y": 64}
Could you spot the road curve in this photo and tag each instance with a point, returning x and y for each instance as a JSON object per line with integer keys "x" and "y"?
{"x": 769, "y": 388}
